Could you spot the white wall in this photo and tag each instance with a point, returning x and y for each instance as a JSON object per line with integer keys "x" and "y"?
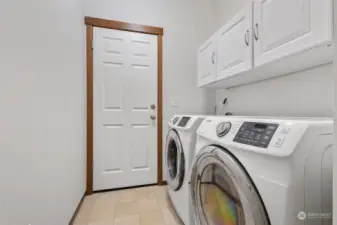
{"x": 335, "y": 119}
{"x": 42, "y": 116}
{"x": 186, "y": 25}
{"x": 307, "y": 93}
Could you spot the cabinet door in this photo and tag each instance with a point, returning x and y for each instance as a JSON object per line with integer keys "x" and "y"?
{"x": 206, "y": 62}
{"x": 235, "y": 51}
{"x": 285, "y": 27}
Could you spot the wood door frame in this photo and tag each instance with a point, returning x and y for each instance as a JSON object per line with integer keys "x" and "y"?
{"x": 90, "y": 23}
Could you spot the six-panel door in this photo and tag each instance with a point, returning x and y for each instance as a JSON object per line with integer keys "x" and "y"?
{"x": 234, "y": 46}
{"x": 125, "y": 127}
{"x": 285, "y": 27}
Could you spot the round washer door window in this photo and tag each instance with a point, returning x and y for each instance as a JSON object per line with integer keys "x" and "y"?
{"x": 223, "y": 193}
{"x": 220, "y": 200}
{"x": 175, "y": 161}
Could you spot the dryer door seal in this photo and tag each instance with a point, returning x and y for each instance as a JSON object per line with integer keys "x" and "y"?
{"x": 175, "y": 161}
{"x": 222, "y": 191}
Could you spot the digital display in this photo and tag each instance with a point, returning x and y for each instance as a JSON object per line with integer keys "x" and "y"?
{"x": 183, "y": 122}
{"x": 260, "y": 126}
{"x": 256, "y": 134}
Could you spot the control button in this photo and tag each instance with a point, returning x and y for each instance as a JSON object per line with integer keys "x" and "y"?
{"x": 266, "y": 137}
{"x": 285, "y": 130}
{"x": 252, "y": 134}
{"x": 269, "y": 132}
{"x": 175, "y": 120}
{"x": 271, "y": 127}
{"x": 279, "y": 142}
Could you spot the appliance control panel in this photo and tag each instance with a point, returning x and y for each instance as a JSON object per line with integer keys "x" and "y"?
{"x": 175, "y": 120}
{"x": 183, "y": 122}
{"x": 256, "y": 134}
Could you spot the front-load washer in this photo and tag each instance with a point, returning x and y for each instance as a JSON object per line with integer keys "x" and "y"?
{"x": 259, "y": 171}
{"x": 179, "y": 153}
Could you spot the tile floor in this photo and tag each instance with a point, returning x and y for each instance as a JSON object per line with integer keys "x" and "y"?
{"x": 139, "y": 206}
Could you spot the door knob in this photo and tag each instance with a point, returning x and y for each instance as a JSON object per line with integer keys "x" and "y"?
{"x": 153, "y": 117}
{"x": 153, "y": 106}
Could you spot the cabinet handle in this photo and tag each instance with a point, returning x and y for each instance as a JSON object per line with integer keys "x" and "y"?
{"x": 247, "y": 37}
{"x": 213, "y": 55}
{"x": 256, "y": 31}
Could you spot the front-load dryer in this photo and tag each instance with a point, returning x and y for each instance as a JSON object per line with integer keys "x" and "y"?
{"x": 179, "y": 153}
{"x": 259, "y": 171}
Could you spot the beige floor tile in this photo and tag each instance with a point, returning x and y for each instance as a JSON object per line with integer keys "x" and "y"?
{"x": 171, "y": 218}
{"x": 103, "y": 210}
{"x": 161, "y": 192}
{"x": 146, "y": 192}
{"x": 126, "y": 196}
{"x": 105, "y": 201}
{"x": 110, "y": 197}
{"x": 86, "y": 209}
{"x": 127, "y": 220}
{"x": 147, "y": 205}
{"x": 102, "y": 223}
{"x": 79, "y": 221}
{"x": 123, "y": 209}
{"x": 151, "y": 218}
{"x": 102, "y": 215}
{"x": 164, "y": 202}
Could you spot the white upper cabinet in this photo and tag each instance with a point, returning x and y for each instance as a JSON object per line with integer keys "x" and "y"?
{"x": 285, "y": 27}
{"x": 235, "y": 45}
{"x": 269, "y": 38}
{"x": 207, "y": 62}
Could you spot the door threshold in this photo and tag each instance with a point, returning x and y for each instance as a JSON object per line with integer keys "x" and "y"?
{"x": 125, "y": 188}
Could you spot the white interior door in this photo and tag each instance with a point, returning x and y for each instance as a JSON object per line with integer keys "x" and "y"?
{"x": 285, "y": 27}
{"x": 235, "y": 47}
{"x": 125, "y": 127}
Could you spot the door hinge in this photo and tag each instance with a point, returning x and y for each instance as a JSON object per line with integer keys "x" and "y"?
{"x": 92, "y": 44}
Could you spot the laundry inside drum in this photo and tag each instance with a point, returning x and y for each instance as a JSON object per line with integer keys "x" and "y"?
{"x": 219, "y": 198}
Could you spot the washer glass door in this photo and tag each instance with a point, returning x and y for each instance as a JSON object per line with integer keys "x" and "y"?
{"x": 223, "y": 193}
{"x": 219, "y": 198}
{"x": 175, "y": 161}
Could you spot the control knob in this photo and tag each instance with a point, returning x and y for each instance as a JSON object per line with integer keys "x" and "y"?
{"x": 223, "y": 128}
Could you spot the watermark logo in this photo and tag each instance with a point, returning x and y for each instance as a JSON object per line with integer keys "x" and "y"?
{"x": 312, "y": 215}
{"x": 302, "y": 215}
